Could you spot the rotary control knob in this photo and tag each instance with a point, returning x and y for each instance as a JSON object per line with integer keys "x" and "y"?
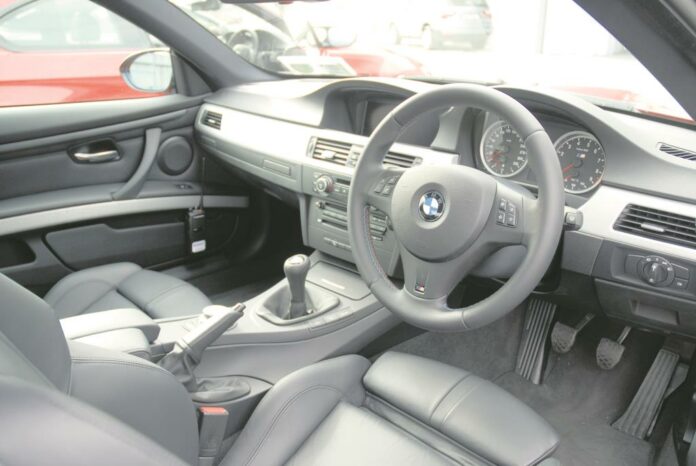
{"x": 656, "y": 271}
{"x": 324, "y": 184}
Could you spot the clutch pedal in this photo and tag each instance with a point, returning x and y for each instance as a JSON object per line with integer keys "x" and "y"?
{"x": 609, "y": 352}
{"x": 563, "y": 336}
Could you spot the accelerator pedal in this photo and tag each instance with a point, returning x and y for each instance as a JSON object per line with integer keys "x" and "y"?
{"x": 642, "y": 412}
{"x": 563, "y": 336}
{"x": 532, "y": 350}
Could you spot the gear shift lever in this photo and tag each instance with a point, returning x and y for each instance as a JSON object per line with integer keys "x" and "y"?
{"x": 296, "y": 269}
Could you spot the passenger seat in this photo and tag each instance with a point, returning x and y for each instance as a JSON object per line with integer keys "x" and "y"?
{"x": 125, "y": 285}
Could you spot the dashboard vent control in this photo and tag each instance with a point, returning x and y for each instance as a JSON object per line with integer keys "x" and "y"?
{"x": 212, "y": 119}
{"x": 401, "y": 160}
{"x": 677, "y": 152}
{"x": 331, "y": 151}
{"x": 658, "y": 224}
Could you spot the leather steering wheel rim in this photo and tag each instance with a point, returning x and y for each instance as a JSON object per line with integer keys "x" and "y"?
{"x": 437, "y": 254}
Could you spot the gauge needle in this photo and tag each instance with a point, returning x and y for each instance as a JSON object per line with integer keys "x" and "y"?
{"x": 568, "y": 167}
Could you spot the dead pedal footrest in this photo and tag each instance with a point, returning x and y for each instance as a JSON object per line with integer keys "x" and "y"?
{"x": 537, "y": 324}
{"x": 641, "y": 413}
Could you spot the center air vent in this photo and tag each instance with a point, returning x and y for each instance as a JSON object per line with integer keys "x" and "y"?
{"x": 658, "y": 224}
{"x": 677, "y": 152}
{"x": 331, "y": 151}
{"x": 212, "y": 119}
{"x": 347, "y": 154}
{"x": 401, "y": 160}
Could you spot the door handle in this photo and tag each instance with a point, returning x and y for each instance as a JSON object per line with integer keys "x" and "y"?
{"x": 97, "y": 157}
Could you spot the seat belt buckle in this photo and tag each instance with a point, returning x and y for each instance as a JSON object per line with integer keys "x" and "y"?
{"x": 212, "y": 424}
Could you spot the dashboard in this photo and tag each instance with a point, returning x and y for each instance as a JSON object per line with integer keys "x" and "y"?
{"x": 629, "y": 247}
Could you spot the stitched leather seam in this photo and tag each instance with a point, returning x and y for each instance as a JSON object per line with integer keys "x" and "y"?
{"x": 444, "y": 397}
{"x": 425, "y": 426}
{"x": 280, "y": 413}
{"x": 461, "y": 399}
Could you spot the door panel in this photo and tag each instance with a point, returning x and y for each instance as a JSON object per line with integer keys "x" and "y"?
{"x": 59, "y": 214}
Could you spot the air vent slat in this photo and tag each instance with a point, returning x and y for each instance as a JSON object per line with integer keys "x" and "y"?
{"x": 658, "y": 224}
{"x": 675, "y": 151}
{"x": 212, "y": 119}
{"x": 401, "y": 160}
{"x": 331, "y": 151}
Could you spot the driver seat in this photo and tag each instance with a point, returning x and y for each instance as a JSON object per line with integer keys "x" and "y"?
{"x": 401, "y": 410}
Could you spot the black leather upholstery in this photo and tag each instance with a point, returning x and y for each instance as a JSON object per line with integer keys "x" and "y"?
{"x": 404, "y": 410}
{"x": 401, "y": 410}
{"x": 149, "y": 399}
{"x": 125, "y": 285}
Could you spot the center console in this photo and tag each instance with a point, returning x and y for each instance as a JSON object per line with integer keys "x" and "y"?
{"x": 327, "y": 219}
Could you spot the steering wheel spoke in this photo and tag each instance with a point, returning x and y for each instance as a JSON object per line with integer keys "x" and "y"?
{"x": 512, "y": 219}
{"x": 434, "y": 280}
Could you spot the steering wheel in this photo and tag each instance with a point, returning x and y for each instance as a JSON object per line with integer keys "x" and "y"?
{"x": 448, "y": 219}
{"x": 246, "y": 42}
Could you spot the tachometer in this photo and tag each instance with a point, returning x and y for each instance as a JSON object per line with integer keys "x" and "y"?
{"x": 582, "y": 161}
{"x": 502, "y": 150}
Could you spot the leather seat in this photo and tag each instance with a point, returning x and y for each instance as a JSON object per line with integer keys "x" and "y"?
{"x": 125, "y": 285}
{"x": 401, "y": 410}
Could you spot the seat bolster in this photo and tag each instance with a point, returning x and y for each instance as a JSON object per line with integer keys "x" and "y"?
{"x": 43, "y": 426}
{"x": 475, "y": 413}
{"x": 139, "y": 393}
{"x": 162, "y": 296}
{"x": 75, "y": 293}
{"x": 295, "y": 407}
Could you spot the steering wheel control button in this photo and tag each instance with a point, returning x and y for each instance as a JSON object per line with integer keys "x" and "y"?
{"x": 431, "y": 206}
{"x": 506, "y": 214}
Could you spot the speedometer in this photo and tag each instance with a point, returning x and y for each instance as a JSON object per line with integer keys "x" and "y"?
{"x": 502, "y": 150}
{"x": 582, "y": 161}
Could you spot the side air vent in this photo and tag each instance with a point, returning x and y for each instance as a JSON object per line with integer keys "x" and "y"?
{"x": 677, "y": 152}
{"x": 658, "y": 224}
{"x": 331, "y": 151}
{"x": 212, "y": 119}
{"x": 401, "y": 160}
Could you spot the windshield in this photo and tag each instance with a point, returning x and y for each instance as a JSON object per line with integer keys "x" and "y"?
{"x": 542, "y": 43}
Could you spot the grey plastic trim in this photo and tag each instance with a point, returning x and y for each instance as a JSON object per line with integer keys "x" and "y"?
{"x": 605, "y": 206}
{"x": 55, "y": 217}
{"x": 136, "y": 182}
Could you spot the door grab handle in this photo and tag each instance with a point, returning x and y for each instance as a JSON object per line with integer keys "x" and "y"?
{"x": 97, "y": 157}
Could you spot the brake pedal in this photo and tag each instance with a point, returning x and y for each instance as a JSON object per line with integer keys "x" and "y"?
{"x": 563, "y": 336}
{"x": 609, "y": 352}
{"x": 532, "y": 350}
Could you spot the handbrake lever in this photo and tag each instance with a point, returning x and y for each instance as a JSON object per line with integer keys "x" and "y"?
{"x": 188, "y": 350}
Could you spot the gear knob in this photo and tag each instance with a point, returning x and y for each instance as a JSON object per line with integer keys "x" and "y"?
{"x": 296, "y": 269}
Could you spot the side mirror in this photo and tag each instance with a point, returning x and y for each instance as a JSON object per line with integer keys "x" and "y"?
{"x": 336, "y": 37}
{"x": 149, "y": 71}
